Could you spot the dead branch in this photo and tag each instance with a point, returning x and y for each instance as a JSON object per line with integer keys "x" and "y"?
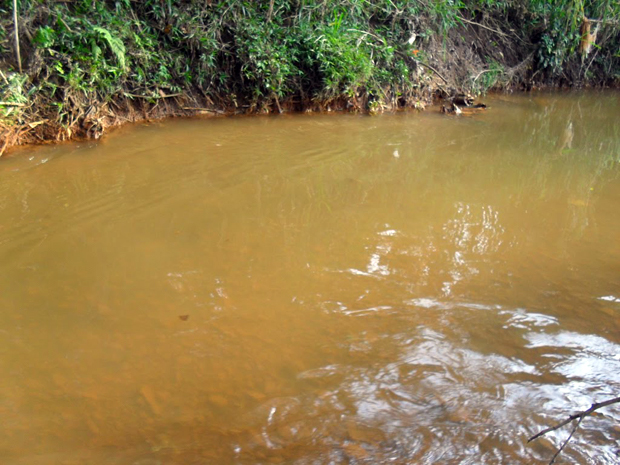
{"x": 152, "y": 97}
{"x": 5, "y": 145}
{"x": 15, "y": 22}
{"x": 367, "y": 33}
{"x": 433, "y": 70}
{"x": 604, "y": 22}
{"x": 473, "y": 23}
{"x": 585, "y": 73}
{"x": 481, "y": 73}
{"x": 423, "y": 64}
{"x": 270, "y": 12}
{"x": 576, "y": 416}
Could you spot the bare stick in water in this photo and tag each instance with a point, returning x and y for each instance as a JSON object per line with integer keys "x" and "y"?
{"x": 576, "y": 416}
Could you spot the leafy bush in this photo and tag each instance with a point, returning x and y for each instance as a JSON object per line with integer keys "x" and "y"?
{"x": 238, "y": 52}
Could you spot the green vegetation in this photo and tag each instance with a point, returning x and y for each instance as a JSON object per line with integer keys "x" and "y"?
{"x": 86, "y": 60}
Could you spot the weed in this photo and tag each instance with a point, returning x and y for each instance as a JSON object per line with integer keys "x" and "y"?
{"x": 241, "y": 53}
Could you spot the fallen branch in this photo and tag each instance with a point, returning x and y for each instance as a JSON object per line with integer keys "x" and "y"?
{"x": 576, "y": 416}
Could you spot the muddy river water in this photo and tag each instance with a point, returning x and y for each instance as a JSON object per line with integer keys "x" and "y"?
{"x": 316, "y": 289}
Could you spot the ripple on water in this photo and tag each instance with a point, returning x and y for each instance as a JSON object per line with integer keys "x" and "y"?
{"x": 314, "y": 289}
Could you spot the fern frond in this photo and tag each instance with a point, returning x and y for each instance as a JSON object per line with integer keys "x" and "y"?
{"x": 116, "y": 45}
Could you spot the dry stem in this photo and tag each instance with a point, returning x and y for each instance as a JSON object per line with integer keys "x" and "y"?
{"x": 15, "y": 22}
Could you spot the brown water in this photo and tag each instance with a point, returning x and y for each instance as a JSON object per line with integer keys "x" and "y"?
{"x": 313, "y": 289}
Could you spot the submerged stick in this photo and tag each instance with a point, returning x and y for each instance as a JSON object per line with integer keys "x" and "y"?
{"x": 19, "y": 58}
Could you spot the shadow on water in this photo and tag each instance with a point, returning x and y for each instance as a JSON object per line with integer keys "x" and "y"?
{"x": 316, "y": 289}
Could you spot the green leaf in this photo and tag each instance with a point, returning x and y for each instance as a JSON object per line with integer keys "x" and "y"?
{"x": 44, "y": 37}
{"x": 116, "y": 45}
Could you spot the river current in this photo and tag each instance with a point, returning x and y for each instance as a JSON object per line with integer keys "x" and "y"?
{"x": 410, "y": 288}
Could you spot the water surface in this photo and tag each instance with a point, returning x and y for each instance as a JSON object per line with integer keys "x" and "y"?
{"x": 312, "y": 289}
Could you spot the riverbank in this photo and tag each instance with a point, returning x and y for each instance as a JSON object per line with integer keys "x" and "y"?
{"x": 83, "y": 67}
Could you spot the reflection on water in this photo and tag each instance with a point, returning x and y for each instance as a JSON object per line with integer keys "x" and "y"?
{"x": 315, "y": 289}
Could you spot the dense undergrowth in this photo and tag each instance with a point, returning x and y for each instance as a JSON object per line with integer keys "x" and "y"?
{"x": 87, "y": 64}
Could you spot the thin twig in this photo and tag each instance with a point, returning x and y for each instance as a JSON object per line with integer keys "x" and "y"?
{"x": 555, "y": 456}
{"x": 590, "y": 64}
{"x": 580, "y": 416}
{"x": 154, "y": 97}
{"x": 65, "y": 25}
{"x": 512, "y": 71}
{"x": 481, "y": 73}
{"x": 584, "y": 413}
{"x": 483, "y": 26}
{"x": 366, "y": 33}
{"x": 603, "y": 21}
{"x": 433, "y": 70}
{"x": 11, "y": 104}
{"x": 425, "y": 65}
